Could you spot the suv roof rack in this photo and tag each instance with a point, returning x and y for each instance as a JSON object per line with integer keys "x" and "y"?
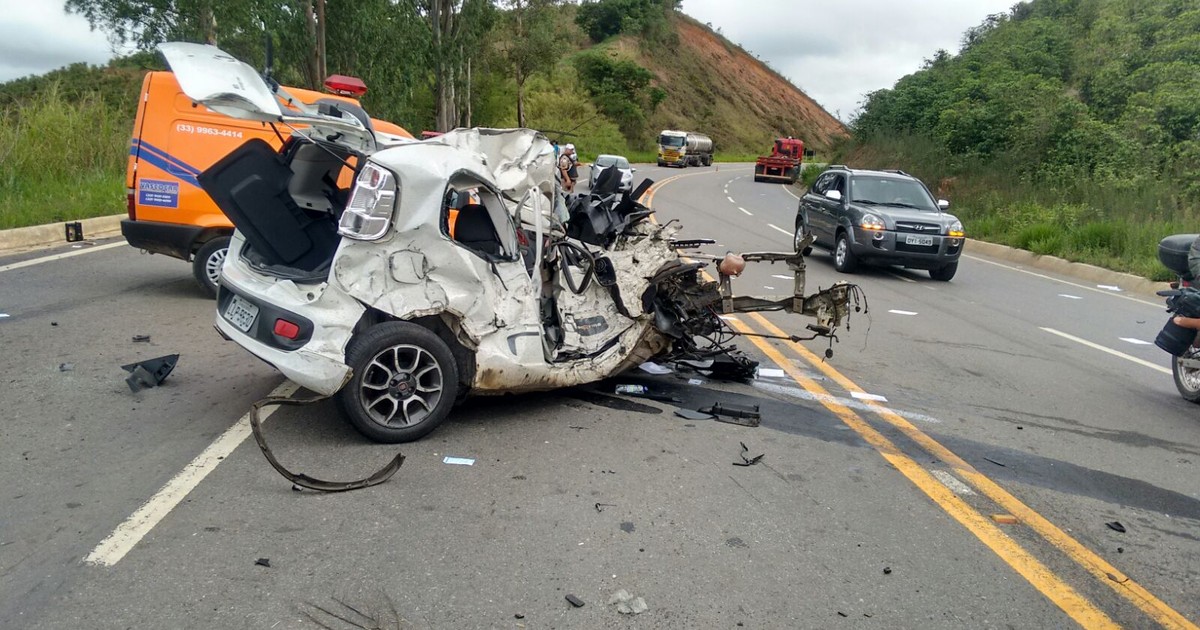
{"x": 897, "y": 171}
{"x": 840, "y": 167}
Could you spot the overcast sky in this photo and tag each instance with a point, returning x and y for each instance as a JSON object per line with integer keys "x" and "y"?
{"x": 838, "y": 51}
{"x": 834, "y": 51}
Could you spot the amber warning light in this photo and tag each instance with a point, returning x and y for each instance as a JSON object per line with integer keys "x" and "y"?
{"x": 345, "y": 86}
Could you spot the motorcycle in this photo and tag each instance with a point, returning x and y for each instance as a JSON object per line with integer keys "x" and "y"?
{"x": 1183, "y": 299}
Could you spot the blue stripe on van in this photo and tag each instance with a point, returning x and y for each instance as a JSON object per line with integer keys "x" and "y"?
{"x": 187, "y": 178}
{"x": 167, "y": 163}
{"x": 179, "y": 164}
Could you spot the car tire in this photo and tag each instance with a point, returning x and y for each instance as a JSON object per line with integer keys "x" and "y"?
{"x": 1187, "y": 380}
{"x": 206, "y": 265}
{"x": 944, "y": 274}
{"x": 801, "y": 231}
{"x": 405, "y": 382}
{"x": 844, "y": 259}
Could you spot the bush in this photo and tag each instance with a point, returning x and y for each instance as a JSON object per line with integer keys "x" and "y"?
{"x": 63, "y": 158}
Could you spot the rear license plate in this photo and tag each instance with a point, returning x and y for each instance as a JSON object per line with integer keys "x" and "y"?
{"x": 241, "y": 313}
{"x": 920, "y": 241}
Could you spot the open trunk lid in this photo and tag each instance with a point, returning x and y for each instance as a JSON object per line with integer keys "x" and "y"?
{"x": 215, "y": 79}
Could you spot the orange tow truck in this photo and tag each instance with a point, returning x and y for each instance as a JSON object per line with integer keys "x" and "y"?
{"x": 784, "y": 163}
{"x": 174, "y": 140}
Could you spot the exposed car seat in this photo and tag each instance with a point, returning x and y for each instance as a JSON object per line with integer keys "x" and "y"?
{"x": 474, "y": 229}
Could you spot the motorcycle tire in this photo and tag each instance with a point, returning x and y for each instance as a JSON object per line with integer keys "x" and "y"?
{"x": 1187, "y": 380}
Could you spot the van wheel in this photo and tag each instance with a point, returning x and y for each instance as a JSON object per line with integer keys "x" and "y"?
{"x": 405, "y": 382}
{"x": 206, "y": 265}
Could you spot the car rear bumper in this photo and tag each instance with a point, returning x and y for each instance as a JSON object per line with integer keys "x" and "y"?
{"x": 326, "y": 318}
{"x": 888, "y": 247}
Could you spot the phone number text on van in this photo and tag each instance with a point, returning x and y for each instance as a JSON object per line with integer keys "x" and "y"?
{"x": 207, "y": 131}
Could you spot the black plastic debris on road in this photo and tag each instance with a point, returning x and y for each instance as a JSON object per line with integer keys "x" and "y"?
{"x": 263, "y": 562}
{"x": 692, "y": 414}
{"x": 1116, "y": 526}
{"x": 141, "y": 339}
{"x": 575, "y": 601}
{"x": 748, "y": 461}
{"x": 741, "y": 415}
{"x": 74, "y": 231}
{"x": 149, "y": 373}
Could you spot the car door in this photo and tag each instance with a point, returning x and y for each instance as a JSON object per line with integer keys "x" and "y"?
{"x": 820, "y": 219}
{"x": 835, "y": 209}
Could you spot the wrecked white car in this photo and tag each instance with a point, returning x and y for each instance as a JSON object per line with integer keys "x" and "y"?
{"x": 401, "y": 276}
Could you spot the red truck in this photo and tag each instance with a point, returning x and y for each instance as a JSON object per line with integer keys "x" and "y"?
{"x": 783, "y": 165}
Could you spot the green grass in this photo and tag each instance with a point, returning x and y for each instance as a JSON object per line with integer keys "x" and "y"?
{"x": 63, "y": 159}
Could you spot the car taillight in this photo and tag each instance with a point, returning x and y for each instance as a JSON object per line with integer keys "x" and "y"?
{"x": 131, "y": 204}
{"x": 368, "y": 215}
{"x": 286, "y": 329}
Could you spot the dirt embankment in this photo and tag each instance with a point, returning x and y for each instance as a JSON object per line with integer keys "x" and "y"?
{"x": 715, "y": 87}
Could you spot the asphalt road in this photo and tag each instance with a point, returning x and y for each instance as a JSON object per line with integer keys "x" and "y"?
{"x": 977, "y": 494}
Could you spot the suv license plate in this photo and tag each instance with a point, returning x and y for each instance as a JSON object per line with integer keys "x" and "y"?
{"x": 241, "y": 313}
{"x": 920, "y": 241}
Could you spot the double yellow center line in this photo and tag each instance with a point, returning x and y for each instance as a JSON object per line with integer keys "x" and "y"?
{"x": 1069, "y": 600}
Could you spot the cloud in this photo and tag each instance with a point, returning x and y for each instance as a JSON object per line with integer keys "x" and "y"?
{"x": 840, "y": 51}
{"x": 36, "y": 37}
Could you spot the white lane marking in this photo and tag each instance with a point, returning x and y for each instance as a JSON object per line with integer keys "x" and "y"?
{"x": 899, "y": 312}
{"x": 3, "y": 315}
{"x": 728, "y": 317}
{"x": 1101, "y": 348}
{"x": 764, "y": 286}
{"x": 129, "y": 533}
{"x": 1136, "y": 342}
{"x": 851, "y": 403}
{"x": 45, "y": 259}
{"x": 730, "y": 199}
{"x": 784, "y": 277}
{"x": 1066, "y": 282}
{"x": 1069, "y": 297}
{"x": 1109, "y": 287}
{"x": 788, "y": 189}
{"x": 898, "y": 276}
{"x": 748, "y": 213}
{"x": 866, "y": 396}
{"x": 952, "y": 482}
{"x": 776, "y": 227}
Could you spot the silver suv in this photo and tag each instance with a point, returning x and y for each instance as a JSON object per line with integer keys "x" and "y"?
{"x": 880, "y": 217}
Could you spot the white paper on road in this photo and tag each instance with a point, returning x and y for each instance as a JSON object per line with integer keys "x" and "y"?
{"x": 695, "y": 381}
{"x": 901, "y": 312}
{"x": 461, "y": 461}
{"x": 768, "y": 288}
{"x": 770, "y": 372}
{"x": 1069, "y": 297}
{"x": 866, "y": 396}
{"x": 1108, "y": 287}
{"x": 1136, "y": 342}
{"x": 651, "y": 367}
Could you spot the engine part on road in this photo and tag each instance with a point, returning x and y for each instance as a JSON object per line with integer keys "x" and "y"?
{"x": 301, "y": 479}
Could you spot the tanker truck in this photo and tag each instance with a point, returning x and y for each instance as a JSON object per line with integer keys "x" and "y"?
{"x": 684, "y": 148}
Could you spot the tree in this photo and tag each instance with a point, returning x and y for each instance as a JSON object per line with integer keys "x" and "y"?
{"x": 530, "y": 44}
{"x": 456, "y": 28}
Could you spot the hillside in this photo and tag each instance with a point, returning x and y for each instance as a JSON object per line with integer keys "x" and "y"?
{"x": 64, "y": 135}
{"x": 718, "y": 88}
{"x": 1066, "y": 127}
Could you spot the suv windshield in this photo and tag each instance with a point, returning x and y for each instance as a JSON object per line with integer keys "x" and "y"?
{"x": 671, "y": 141}
{"x": 891, "y": 191}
